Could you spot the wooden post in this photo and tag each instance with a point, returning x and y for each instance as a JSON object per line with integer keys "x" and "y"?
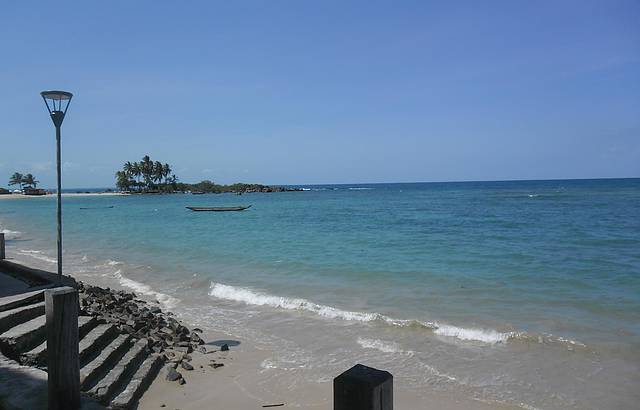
{"x": 63, "y": 365}
{"x": 363, "y": 388}
{"x": 2, "y": 251}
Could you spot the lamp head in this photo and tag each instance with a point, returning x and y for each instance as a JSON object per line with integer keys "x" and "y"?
{"x": 57, "y": 103}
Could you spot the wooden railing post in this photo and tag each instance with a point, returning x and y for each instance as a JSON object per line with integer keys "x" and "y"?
{"x": 2, "y": 251}
{"x": 63, "y": 365}
{"x": 363, "y": 388}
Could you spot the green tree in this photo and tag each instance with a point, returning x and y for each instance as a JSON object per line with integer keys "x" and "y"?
{"x": 16, "y": 179}
{"x": 158, "y": 172}
{"x": 166, "y": 172}
{"x": 123, "y": 181}
{"x": 147, "y": 170}
{"x": 30, "y": 181}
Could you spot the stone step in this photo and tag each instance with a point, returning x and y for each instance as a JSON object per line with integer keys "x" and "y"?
{"x": 94, "y": 341}
{"x": 106, "y": 388}
{"x": 21, "y": 314}
{"x": 38, "y": 355}
{"x": 23, "y": 337}
{"x": 27, "y": 298}
{"x": 138, "y": 384}
{"x": 108, "y": 357}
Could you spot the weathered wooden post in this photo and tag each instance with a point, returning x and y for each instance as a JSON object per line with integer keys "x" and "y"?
{"x": 63, "y": 365}
{"x": 2, "y": 252}
{"x": 363, "y": 388}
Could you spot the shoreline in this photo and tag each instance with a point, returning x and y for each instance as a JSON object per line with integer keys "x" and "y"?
{"x": 64, "y": 194}
{"x": 241, "y": 384}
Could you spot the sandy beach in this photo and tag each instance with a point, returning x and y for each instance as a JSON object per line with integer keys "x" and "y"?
{"x": 240, "y": 383}
{"x": 66, "y": 194}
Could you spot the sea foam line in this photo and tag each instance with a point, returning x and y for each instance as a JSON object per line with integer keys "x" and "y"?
{"x": 37, "y": 255}
{"x": 166, "y": 300}
{"x": 250, "y": 297}
{"x": 383, "y": 346}
{"x": 9, "y": 234}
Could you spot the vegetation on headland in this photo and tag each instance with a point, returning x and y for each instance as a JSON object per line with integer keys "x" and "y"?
{"x": 149, "y": 176}
{"x": 24, "y": 181}
{"x": 145, "y": 176}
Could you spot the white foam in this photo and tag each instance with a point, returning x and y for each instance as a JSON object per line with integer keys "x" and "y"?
{"x": 480, "y": 335}
{"x": 166, "y": 300}
{"x": 251, "y": 297}
{"x": 9, "y": 234}
{"x": 37, "y": 255}
{"x": 381, "y": 345}
{"x": 359, "y": 189}
{"x": 113, "y": 263}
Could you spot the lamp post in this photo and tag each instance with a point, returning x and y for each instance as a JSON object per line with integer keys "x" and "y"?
{"x": 55, "y": 100}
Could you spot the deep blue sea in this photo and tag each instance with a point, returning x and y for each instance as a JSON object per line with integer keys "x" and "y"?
{"x": 521, "y": 292}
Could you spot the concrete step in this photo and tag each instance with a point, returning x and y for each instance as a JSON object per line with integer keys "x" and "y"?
{"x": 38, "y": 355}
{"x": 112, "y": 381}
{"x": 23, "y": 337}
{"x": 94, "y": 341}
{"x": 13, "y": 317}
{"x": 27, "y": 298}
{"x": 108, "y": 357}
{"x": 138, "y": 384}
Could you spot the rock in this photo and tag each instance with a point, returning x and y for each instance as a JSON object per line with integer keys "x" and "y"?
{"x": 182, "y": 380}
{"x": 186, "y": 366}
{"x": 202, "y": 349}
{"x": 172, "y": 374}
{"x": 224, "y": 348}
{"x": 216, "y": 365}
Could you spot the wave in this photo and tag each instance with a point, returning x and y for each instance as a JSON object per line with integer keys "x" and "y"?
{"x": 486, "y": 336}
{"x": 250, "y": 297}
{"x": 166, "y": 300}
{"x": 10, "y": 235}
{"x": 381, "y": 345}
{"x": 359, "y": 189}
{"x": 37, "y": 255}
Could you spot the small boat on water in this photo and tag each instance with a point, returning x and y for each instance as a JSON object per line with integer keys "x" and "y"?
{"x": 217, "y": 208}
{"x": 197, "y": 192}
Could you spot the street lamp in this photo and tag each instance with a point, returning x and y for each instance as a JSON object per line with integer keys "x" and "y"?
{"x": 55, "y": 101}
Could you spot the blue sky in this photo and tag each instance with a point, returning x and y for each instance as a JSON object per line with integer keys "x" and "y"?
{"x": 293, "y": 92}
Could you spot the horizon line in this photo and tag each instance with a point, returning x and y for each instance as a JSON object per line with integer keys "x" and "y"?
{"x": 395, "y": 182}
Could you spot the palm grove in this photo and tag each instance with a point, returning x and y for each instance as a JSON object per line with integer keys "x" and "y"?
{"x": 24, "y": 181}
{"x": 145, "y": 176}
{"x": 149, "y": 176}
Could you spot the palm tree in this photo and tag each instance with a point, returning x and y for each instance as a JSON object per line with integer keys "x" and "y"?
{"x": 147, "y": 170}
{"x": 122, "y": 180}
{"x": 30, "y": 180}
{"x": 16, "y": 179}
{"x": 136, "y": 171}
{"x": 166, "y": 171}
{"x": 158, "y": 171}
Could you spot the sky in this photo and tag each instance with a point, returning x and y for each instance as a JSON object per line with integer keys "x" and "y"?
{"x": 310, "y": 92}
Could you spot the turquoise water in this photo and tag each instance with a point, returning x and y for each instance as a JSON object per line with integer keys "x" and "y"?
{"x": 525, "y": 292}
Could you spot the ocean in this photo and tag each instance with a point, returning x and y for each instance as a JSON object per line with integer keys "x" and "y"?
{"x": 525, "y": 293}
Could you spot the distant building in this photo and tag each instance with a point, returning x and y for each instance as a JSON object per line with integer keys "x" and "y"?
{"x": 34, "y": 191}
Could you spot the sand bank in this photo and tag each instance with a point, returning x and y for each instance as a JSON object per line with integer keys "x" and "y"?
{"x": 66, "y": 194}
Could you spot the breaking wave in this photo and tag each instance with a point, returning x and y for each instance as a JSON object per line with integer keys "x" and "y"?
{"x": 37, "y": 255}
{"x": 10, "y": 235}
{"x": 166, "y": 300}
{"x": 251, "y": 297}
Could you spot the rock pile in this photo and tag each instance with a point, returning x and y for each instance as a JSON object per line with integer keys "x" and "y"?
{"x": 143, "y": 320}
